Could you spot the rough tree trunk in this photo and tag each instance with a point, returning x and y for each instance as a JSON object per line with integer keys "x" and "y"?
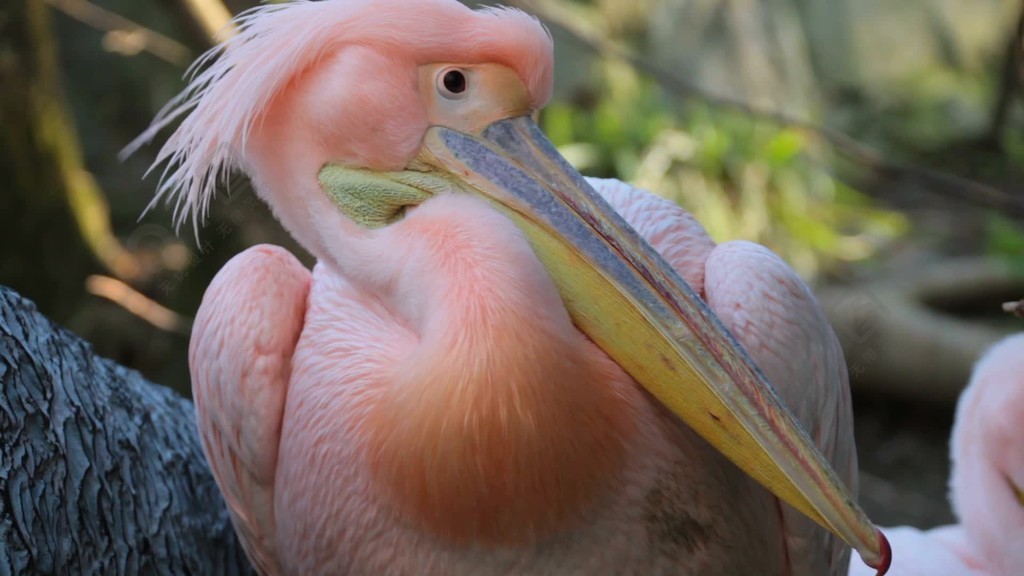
{"x": 100, "y": 471}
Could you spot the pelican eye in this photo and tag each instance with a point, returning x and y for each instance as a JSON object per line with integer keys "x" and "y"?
{"x": 453, "y": 84}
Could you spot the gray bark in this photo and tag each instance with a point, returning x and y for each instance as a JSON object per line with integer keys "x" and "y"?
{"x": 101, "y": 471}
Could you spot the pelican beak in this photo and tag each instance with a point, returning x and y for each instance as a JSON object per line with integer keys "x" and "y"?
{"x": 628, "y": 300}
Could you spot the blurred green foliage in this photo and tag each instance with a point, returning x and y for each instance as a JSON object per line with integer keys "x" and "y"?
{"x": 741, "y": 177}
{"x": 917, "y": 82}
{"x": 1005, "y": 239}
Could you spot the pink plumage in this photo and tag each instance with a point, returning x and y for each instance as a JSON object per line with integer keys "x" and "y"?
{"x": 332, "y": 513}
{"x": 421, "y": 403}
{"x": 986, "y": 483}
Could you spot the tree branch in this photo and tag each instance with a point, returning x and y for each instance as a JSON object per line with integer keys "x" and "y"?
{"x": 213, "y": 17}
{"x": 126, "y": 36}
{"x": 940, "y": 183}
{"x": 138, "y": 304}
{"x": 101, "y": 471}
{"x": 58, "y": 203}
{"x": 208, "y": 22}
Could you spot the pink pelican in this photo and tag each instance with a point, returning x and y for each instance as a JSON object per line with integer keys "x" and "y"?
{"x": 492, "y": 369}
{"x": 987, "y": 483}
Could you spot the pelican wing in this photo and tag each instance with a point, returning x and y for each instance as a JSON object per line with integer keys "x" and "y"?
{"x": 777, "y": 319}
{"x": 240, "y": 359}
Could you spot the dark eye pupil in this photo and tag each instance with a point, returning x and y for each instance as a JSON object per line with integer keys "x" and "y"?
{"x": 455, "y": 82}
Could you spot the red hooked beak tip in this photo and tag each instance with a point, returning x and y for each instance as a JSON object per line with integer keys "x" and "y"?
{"x": 886, "y": 561}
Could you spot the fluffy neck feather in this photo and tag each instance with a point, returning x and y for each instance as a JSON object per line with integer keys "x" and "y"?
{"x": 505, "y": 424}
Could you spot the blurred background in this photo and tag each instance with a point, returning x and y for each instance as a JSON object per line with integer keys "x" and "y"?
{"x": 877, "y": 146}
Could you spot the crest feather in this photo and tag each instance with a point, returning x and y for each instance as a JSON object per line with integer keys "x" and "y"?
{"x": 230, "y": 86}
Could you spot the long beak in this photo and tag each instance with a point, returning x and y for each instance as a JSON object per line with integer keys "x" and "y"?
{"x": 625, "y": 297}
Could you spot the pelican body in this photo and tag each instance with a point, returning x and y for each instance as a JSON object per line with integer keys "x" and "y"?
{"x": 987, "y": 481}
{"x": 496, "y": 366}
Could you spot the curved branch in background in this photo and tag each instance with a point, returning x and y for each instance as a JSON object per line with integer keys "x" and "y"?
{"x": 51, "y": 118}
{"x": 208, "y": 22}
{"x": 555, "y": 14}
{"x": 101, "y": 471}
{"x": 138, "y": 304}
{"x": 213, "y": 17}
{"x": 1015, "y": 308}
{"x": 123, "y": 35}
{"x": 58, "y": 206}
{"x": 917, "y": 333}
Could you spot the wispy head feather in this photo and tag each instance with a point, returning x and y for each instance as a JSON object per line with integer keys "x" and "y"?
{"x": 231, "y": 86}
